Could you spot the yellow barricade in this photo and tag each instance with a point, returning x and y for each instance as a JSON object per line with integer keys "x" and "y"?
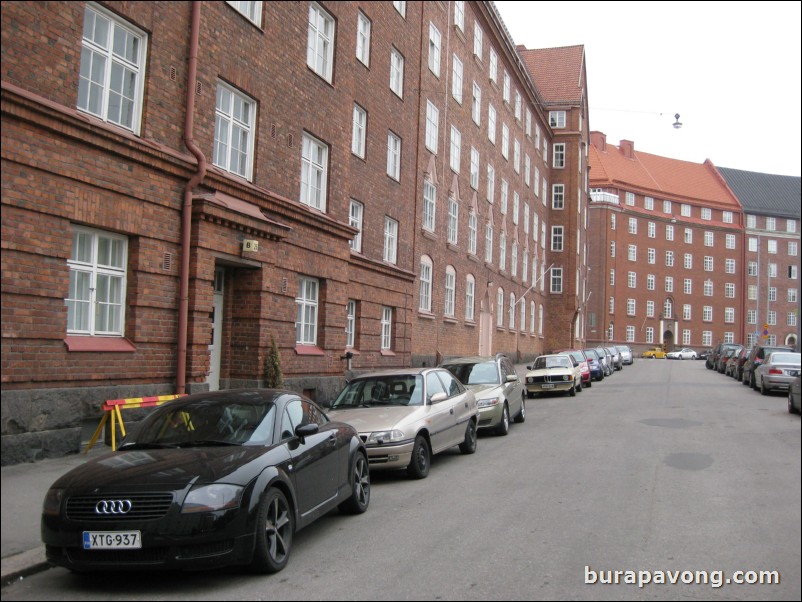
{"x": 113, "y": 407}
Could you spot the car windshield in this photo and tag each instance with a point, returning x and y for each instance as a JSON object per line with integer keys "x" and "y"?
{"x": 204, "y": 423}
{"x": 784, "y": 358}
{"x": 386, "y": 390}
{"x": 475, "y": 373}
{"x": 552, "y": 361}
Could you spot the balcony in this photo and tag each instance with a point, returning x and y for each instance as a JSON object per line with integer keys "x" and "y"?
{"x": 604, "y": 197}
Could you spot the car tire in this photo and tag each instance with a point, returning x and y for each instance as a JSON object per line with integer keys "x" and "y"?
{"x": 468, "y": 445}
{"x": 763, "y": 389}
{"x": 521, "y": 416}
{"x": 275, "y": 525}
{"x": 359, "y": 500}
{"x": 752, "y": 381}
{"x": 572, "y": 391}
{"x": 579, "y": 385}
{"x": 503, "y": 427}
{"x": 421, "y": 459}
{"x": 790, "y": 403}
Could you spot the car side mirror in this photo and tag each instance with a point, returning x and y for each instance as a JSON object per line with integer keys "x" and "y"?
{"x": 438, "y": 397}
{"x": 511, "y": 378}
{"x": 306, "y": 430}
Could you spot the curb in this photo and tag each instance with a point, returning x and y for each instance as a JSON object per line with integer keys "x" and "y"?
{"x": 23, "y": 564}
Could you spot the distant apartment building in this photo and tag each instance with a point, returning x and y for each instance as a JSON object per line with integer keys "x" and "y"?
{"x": 771, "y": 206}
{"x": 187, "y": 181}
{"x": 667, "y": 255}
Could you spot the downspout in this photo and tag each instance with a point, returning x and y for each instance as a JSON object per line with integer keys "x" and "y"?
{"x": 186, "y": 212}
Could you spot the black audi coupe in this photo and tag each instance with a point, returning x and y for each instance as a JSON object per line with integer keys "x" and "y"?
{"x": 207, "y": 480}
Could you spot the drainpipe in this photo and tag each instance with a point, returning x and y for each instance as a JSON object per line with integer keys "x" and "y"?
{"x": 186, "y": 213}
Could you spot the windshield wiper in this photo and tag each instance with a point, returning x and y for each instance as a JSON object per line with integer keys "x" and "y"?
{"x": 206, "y": 443}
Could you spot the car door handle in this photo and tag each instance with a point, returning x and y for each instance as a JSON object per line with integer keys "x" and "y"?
{"x": 451, "y": 411}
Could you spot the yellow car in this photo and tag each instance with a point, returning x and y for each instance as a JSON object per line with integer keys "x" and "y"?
{"x": 654, "y": 352}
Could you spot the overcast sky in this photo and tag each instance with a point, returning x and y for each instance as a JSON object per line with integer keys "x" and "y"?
{"x": 730, "y": 69}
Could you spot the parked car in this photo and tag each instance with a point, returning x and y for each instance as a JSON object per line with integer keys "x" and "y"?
{"x": 703, "y": 354}
{"x": 498, "y": 390}
{"x": 207, "y": 480}
{"x": 725, "y": 355}
{"x": 553, "y": 373}
{"x": 584, "y": 365}
{"x": 654, "y": 352}
{"x": 735, "y": 365}
{"x": 756, "y": 356}
{"x": 627, "y": 357}
{"x": 686, "y": 353}
{"x": 406, "y": 416}
{"x": 777, "y": 371}
{"x": 712, "y": 360}
{"x": 615, "y": 358}
{"x": 794, "y": 395}
{"x": 606, "y": 360}
{"x": 594, "y": 363}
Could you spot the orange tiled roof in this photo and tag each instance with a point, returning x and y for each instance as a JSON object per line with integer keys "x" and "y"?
{"x": 557, "y": 72}
{"x": 661, "y": 177}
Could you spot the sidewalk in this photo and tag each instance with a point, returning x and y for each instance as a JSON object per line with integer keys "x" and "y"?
{"x": 24, "y": 487}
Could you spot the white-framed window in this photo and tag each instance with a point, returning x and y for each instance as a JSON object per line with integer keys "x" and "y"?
{"x": 397, "y": 72}
{"x": 688, "y": 236}
{"x": 667, "y": 207}
{"x": 751, "y": 221}
{"x": 685, "y": 210}
{"x": 771, "y": 224}
{"x": 387, "y": 328}
{"x": 499, "y": 308}
{"x": 502, "y": 251}
{"x": 630, "y": 307}
{"x": 491, "y": 123}
{"x": 686, "y": 311}
{"x": 470, "y": 297}
{"x": 250, "y": 10}
{"x": 491, "y": 184}
{"x": 456, "y": 147}
{"x": 363, "y": 27}
{"x": 772, "y": 270}
{"x": 489, "y": 242}
{"x": 451, "y": 291}
{"x": 505, "y": 188}
{"x": 650, "y": 282}
{"x": 473, "y": 225}
{"x": 688, "y": 261}
{"x": 359, "y": 131}
{"x": 793, "y": 248}
{"x": 730, "y": 241}
{"x": 650, "y": 309}
{"x": 752, "y": 244}
{"x": 707, "y": 214}
{"x": 516, "y": 206}
{"x": 235, "y": 116}
{"x": 751, "y": 316}
{"x": 632, "y": 252}
{"x": 113, "y": 59}
{"x": 514, "y": 259}
{"x": 429, "y": 204}
{"x": 540, "y": 320}
{"x": 401, "y": 7}
{"x": 493, "y": 66}
{"x": 709, "y": 240}
{"x": 729, "y": 290}
{"x": 708, "y": 263}
{"x": 476, "y": 104}
{"x": 633, "y": 225}
{"x": 790, "y": 226}
{"x": 320, "y": 42}
{"x": 558, "y": 196}
{"x": 687, "y": 286}
{"x": 511, "y": 313}
{"x": 707, "y": 338}
{"x": 505, "y": 94}
{"x": 686, "y": 336}
{"x": 505, "y": 141}
{"x": 355, "y": 215}
{"x": 729, "y": 315}
{"x": 559, "y": 155}
{"x": 751, "y": 268}
{"x": 669, "y": 284}
{"x": 648, "y": 203}
{"x": 314, "y": 172}
{"x": 307, "y": 305}
{"x": 434, "y": 49}
{"x": 97, "y": 283}
{"x": 670, "y": 259}
{"x": 390, "y": 240}
{"x": 474, "y": 168}
{"x": 729, "y": 266}
{"x": 478, "y": 38}
{"x": 708, "y": 288}
{"x": 707, "y": 313}
{"x": 393, "y": 156}
{"x": 790, "y": 318}
{"x": 456, "y": 79}
{"x": 527, "y": 169}
{"x": 751, "y": 292}
{"x": 772, "y": 293}
{"x": 556, "y": 238}
{"x": 556, "y": 280}
{"x": 453, "y": 220}
{"x": 425, "y": 297}
{"x": 630, "y": 334}
{"x": 726, "y": 217}
{"x": 557, "y": 119}
{"x": 651, "y": 255}
{"x": 772, "y": 247}
{"x": 669, "y": 232}
{"x": 459, "y": 14}
{"x": 632, "y": 279}
{"x": 516, "y": 156}
{"x": 668, "y": 309}
{"x": 432, "y": 126}
{"x": 350, "y": 324}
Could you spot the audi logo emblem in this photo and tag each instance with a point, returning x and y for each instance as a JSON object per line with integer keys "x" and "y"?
{"x": 113, "y": 507}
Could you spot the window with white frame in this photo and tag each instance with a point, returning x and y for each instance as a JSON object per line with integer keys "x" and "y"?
{"x": 649, "y": 334}
{"x": 111, "y": 78}
{"x": 611, "y": 306}
{"x": 512, "y": 311}
{"x": 633, "y": 225}
{"x": 478, "y": 38}
{"x": 363, "y": 27}
{"x": 500, "y": 308}
{"x": 790, "y": 226}
{"x": 686, "y": 311}
{"x": 651, "y": 229}
{"x": 752, "y": 244}
{"x": 688, "y": 236}
{"x": 356, "y": 213}
{"x": 726, "y": 217}
{"x": 729, "y": 266}
{"x": 474, "y": 168}
{"x": 505, "y": 141}
{"x": 730, "y": 241}
{"x": 685, "y": 210}
{"x": 401, "y": 7}
{"x": 558, "y": 196}
{"x": 630, "y": 334}
{"x": 505, "y": 94}
{"x": 320, "y": 42}
{"x": 97, "y": 283}
{"x": 772, "y": 270}
{"x": 528, "y": 126}
{"x": 650, "y": 309}
{"x": 387, "y": 329}
{"x": 491, "y": 183}
{"x": 250, "y": 10}
{"x": 307, "y": 305}
{"x": 708, "y": 288}
{"x": 456, "y": 145}
{"x": 235, "y": 116}
{"x": 771, "y": 224}
{"x": 314, "y": 172}
{"x": 556, "y": 280}
{"x": 390, "y": 240}
{"x": 707, "y": 313}
{"x": 473, "y": 225}
{"x": 350, "y": 324}
{"x": 669, "y": 232}
{"x": 668, "y": 309}
{"x": 729, "y": 290}
{"x": 667, "y": 207}
{"x": 630, "y": 307}
{"x": 632, "y": 279}
{"x": 429, "y": 205}
{"x": 687, "y": 286}
{"x": 393, "y": 156}
{"x": 470, "y": 297}
{"x": 527, "y": 169}
{"x": 708, "y": 263}
{"x": 397, "y": 72}
{"x": 669, "y": 284}
{"x": 453, "y": 220}
{"x": 456, "y": 79}
{"x": 772, "y": 247}
{"x": 729, "y": 315}
{"x": 790, "y": 318}
{"x": 559, "y": 155}
{"x": 516, "y": 156}
{"x": 707, "y": 338}
{"x": 707, "y": 214}
{"x": 514, "y": 259}
{"x": 650, "y": 282}
{"x": 772, "y": 293}
{"x": 751, "y": 268}
{"x": 686, "y": 337}
{"x": 751, "y": 316}
{"x": 432, "y": 126}
{"x": 792, "y": 272}
{"x": 751, "y": 221}
{"x": 359, "y": 131}
{"x": 476, "y": 104}
{"x": 670, "y": 259}
{"x": 688, "y": 261}
{"x": 459, "y": 14}
{"x": 648, "y": 203}
{"x": 792, "y": 295}
{"x": 434, "y": 49}
{"x": 556, "y": 238}
{"x": 450, "y": 290}
{"x": 651, "y": 255}
{"x": 632, "y": 252}
{"x": 488, "y": 243}
{"x": 751, "y": 292}
{"x": 557, "y": 119}
{"x": 793, "y": 248}
{"x": 491, "y": 123}
{"x": 612, "y": 276}
{"x": 708, "y": 239}
{"x": 502, "y": 251}
{"x": 505, "y": 188}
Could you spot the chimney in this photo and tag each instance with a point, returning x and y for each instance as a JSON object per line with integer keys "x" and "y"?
{"x": 628, "y": 148}
{"x": 599, "y": 141}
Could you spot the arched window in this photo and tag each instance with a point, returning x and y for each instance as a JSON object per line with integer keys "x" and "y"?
{"x": 425, "y": 301}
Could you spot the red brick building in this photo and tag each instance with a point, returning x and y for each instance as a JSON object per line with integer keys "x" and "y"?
{"x": 668, "y": 254}
{"x": 183, "y": 182}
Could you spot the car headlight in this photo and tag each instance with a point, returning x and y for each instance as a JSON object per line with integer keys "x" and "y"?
{"x": 382, "y": 437}
{"x": 210, "y": 498}
{"x": 52, "y": 503}
{"x": 486, "y": 403}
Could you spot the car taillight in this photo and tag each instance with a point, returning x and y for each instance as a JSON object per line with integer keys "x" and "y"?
{"x": 775, "y": 371}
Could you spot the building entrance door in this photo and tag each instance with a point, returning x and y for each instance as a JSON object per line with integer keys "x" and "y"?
{"x": 215, "y": 348}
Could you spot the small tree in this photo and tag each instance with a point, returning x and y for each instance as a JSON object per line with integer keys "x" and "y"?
{"x": 273, "y": 376}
